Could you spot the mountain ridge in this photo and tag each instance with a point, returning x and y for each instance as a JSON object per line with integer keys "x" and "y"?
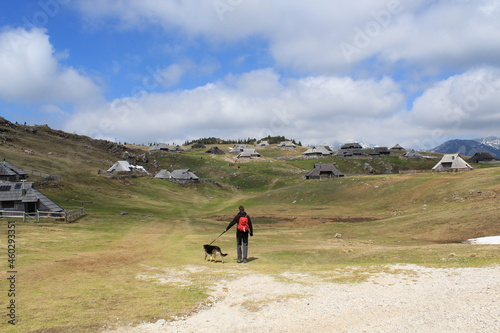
{"x": 489, "y": 144}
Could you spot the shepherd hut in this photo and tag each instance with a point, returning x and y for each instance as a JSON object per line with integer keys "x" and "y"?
{"x": 483, "y": 158}
{"x": 452, "y": 162}
{"x": 23, "y": 197}
{"x": 11, "y": 173}
{"x": 324, "y": 170}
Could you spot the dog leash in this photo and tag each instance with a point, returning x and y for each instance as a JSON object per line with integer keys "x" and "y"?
{"x": 217, "y": 237}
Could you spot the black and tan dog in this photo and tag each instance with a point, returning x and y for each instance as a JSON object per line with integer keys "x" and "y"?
{"x": 212, "y": 251}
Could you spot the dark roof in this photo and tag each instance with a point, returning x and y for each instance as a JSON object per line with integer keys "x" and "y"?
{"x": 482, "y": 157}
{"x": 7, "y": 169}
{"x": 350, "y": 152}
{"x": 159, "y": 146}
{"x": 351, "y": 149}
{"x": 198, "y": 145}
{"x": 324, "y": 170}
{"x": 215, "y": 150}
{"x": 351, "y": 145}
{"x": 24, "y": 192}
{"x": 397, "y": 147}
{"x": 380, "y": 151}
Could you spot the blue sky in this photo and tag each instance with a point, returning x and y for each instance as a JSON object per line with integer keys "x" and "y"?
{"x": 377, "y": 71}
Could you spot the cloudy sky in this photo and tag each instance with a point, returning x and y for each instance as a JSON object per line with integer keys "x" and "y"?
{"x": 413, "y": 72}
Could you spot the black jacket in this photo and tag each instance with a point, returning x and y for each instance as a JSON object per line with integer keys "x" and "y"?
{"x": 237, "y": 218}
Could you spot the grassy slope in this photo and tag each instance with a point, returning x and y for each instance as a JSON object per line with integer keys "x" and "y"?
{"x": 78, "y": 277}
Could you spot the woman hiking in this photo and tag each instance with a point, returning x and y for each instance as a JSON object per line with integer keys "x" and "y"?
{"x": 243, "y": 229}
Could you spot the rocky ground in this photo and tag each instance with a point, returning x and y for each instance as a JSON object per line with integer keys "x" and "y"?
{"x": 405, "y": 298}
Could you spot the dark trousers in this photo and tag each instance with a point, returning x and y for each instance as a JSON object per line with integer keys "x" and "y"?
{"x": 242, "y": 245}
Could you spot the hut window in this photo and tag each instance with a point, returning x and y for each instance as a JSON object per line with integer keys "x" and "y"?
{"x": 8, "y": 204}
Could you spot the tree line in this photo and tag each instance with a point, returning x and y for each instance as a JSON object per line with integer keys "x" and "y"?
{"x": 250, "y": 141}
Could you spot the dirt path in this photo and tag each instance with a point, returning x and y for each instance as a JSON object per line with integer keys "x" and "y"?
{"x": 407, "y": 299}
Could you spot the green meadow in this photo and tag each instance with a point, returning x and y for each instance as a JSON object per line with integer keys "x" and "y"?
{"x": 137, "y": 255}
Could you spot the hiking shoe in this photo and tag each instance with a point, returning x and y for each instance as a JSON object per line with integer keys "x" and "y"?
{"x": 239, "y": 261}
{"x": 245, "y": 261}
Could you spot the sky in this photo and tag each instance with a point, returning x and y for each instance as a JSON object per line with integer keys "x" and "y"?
{"x": 380, "y": 72}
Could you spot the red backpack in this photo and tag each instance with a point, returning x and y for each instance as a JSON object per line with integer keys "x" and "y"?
{"x": 243, "y": 223}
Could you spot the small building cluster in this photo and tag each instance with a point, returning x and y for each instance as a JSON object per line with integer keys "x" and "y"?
{"x": 351, "y": 149}
{"x": 164, "y": 147}
{"x": 124, "y": 168}
{"x": 179, "y": 176}
{"x": 320, "y": 170}
{"x": 244, "y": 152}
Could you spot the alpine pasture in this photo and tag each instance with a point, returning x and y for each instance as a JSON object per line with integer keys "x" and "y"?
{"x": 134, "y": 256}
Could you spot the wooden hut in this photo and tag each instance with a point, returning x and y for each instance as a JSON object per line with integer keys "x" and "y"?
{"x": 324, "y": 170}
{"x": 452, "y": 162}
{"x": 23, "y": 197}
{"x": 215, "y": 151}
{"x": 8, "y": 172}
{"x": 484, "y": 157}
{"x": 317, "y": 152}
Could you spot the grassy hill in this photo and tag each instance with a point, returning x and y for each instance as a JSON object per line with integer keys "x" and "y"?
{"x": 137, "y": 254}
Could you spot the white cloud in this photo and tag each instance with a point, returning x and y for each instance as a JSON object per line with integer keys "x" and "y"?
{"x": 314, "y": 109}
{"x": 171, "y": 75}
{"x": 466, "y": 103}
{"x": 253, "y": 104}
{"x": 318, "y": 44}
{"x": 331, "y": 36}
{"x": 32, "y": 72}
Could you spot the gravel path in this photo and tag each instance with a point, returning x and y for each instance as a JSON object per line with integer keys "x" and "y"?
{"x": 407, "y": 299}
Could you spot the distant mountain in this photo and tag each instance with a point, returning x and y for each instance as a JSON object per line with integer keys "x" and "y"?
{"x": 470, "y": 147}
{"x": 492, "y": 141}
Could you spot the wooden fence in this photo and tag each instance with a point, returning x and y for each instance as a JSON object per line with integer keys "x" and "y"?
{"x": 412, "y": 172}
{"x": 69, "y": 214}
{"x": 74, "y": 213}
